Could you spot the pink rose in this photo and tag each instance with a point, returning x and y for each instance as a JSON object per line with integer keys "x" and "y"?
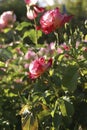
{"x": 77, "y": 44}
{"x": 48, "y": 50}
{"x": 38, "y": 67}
{"x": 65, "y": 47}
{"x": 8, "y": 17}
{"x": 51, "y": 48}
{"x": 30, "y": 54}
{"x": 59, "y": 50}
{"x": 43, "y": 51}
{"x": 2, "y": 24}
{"x": 33, "y": 13}
{"x": 52, "y": 20}
{"x": 26, "y": 66}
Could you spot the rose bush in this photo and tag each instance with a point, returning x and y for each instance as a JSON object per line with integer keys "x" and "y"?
{"x": 43, "y": 81}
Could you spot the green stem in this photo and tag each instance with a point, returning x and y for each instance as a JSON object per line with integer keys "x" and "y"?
{"x": 36, "y": 32}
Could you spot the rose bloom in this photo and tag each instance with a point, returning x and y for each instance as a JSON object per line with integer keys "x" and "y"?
{"x": 60, "y": 51}
{"x": 49, "y": 49}
{"x": 52, "y": 20}
{"x": 32, "y": 12}
{"x": 65, "y": 47}
{"x": 30, "y": 55}
{"x": 30, "y": 2}
{"x": 2, "y": 24}
{"x": 38, "y": 67}
{"x": 8, "y": 18}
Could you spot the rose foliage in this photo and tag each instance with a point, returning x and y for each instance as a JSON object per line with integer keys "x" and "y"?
{"x": 43, "y": 70}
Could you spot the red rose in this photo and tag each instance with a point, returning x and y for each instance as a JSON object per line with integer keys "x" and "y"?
{"x": 52, "y": 20}
{"x": 38, "y": 66}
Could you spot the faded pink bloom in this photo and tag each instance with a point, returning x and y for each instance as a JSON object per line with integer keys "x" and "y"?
{"x": 19, "y": 51}
{"x": 33, "y": 13}
{"x": 30, "y": 54}
{"x": 67, "y": 56}
{"x": 1, "y": 46}
{"x": 8, "y": 17}
{"x": 65, "y": 47}
{"x": 38, "y": 67}
{"x": 26, "y": 66}
{"x": 18, "y": 80}
{"x": 43, "y": 51}
{"x": 3, "y": 69}
{"x": 77, "y": 44}
{"x": 84, "y": 49}
{"x": 59, "y": 50}
{"x": 30, "y": 2}
{"x": 52, "y": 20}
{"x": 51, "y": 47}
{"x": 80, "y": 57}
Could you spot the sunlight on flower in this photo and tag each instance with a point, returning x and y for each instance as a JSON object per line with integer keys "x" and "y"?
{"x": 53, "y": 19}
{"x": 38, "y": 67}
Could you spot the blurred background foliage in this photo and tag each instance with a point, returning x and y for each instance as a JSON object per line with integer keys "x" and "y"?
{"x": 18, "y": 6}
{"x": 76, "y": 7}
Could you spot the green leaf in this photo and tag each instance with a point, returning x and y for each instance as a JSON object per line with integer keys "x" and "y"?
{"x": 2, "y": 72}
{"x": 63, "y": 108}
{"x": 66, "y": 107}
{"x": 31, "y": 34}
{"x": 6, "y": 30}
{"x": 70, "y": 78}
{"x": 33, "y": 123}
{"x": 57, "y": 120}
{"x": 2, "y": 64}
{"x": 29, "y": 121}
{"x": 5, "y": 54}
{"x": 43, "y": 114}
{"x": 85, "y": 54}
{"x": 23, "y": 25}
{"x": 39, "y": 33}
{"x": 56, "y": 80}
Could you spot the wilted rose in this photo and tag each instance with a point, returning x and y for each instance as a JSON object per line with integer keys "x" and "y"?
{"x": 33, "y": 12}
{"x": 52, "y": 20}
{"x": 38, "y": 67}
